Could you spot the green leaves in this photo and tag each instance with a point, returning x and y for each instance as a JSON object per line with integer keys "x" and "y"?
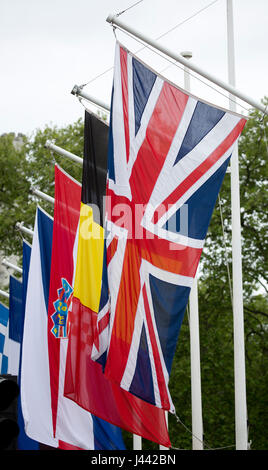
{"x": 14, "y": 190}
{"x": 25, "y": 162}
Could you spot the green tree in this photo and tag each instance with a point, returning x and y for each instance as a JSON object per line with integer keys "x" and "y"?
{"x": 28, "y": 165}
{"x": 15, "y": 204}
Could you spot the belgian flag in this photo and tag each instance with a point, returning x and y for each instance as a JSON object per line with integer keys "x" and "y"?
{"x": 88, "y": 275}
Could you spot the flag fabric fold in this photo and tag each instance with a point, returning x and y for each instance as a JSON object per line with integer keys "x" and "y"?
{"x": 71, "y": 423}
{"x": 85, "y": 383}
{"x": 168, "y": 154}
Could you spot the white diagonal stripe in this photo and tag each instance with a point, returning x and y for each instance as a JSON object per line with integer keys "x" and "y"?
{"x": 172, "y": 176}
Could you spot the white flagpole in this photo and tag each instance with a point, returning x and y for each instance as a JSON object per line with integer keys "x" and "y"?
{"x": 238, "y": 314}
{"x": 42, "y": 195}
{"x": 78, "y": 91}
{"x": 197, "y": 419}
{"x": 21, "y": 227}
{"x": 13, "y": 266}
{"x": 137, "y": 442}
{"x": 4, "y": 294}
{"x": 196, "y": 393}
{"x": 115, "y": 21}
{"x": 64, "y": 153}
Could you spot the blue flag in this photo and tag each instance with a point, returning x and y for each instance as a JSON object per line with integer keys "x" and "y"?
{"x": 15, "y": 309}
{"x": 15, "y": 325}
{"x": 4, "y": 314}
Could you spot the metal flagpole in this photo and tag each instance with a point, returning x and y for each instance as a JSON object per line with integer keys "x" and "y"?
{"x": 197, "y": 419}
{"x": 115, "y": 21}
{"x": 137, "y": 442}
{"x": 4, "y": 294}
{"x": 44, "y": 196}
{"x": 13, "y": 266}
{"x": 63, "y": 153}
{"x": 78, "y": 91}
{"x": 21, "y": 227}
{"x": 238, "y": 314}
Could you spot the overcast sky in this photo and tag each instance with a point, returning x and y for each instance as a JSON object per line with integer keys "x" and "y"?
{"x": 48, "y": 46}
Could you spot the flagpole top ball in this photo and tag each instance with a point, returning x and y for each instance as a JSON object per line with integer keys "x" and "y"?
{"x": 110, "y": 18}
{"x": 187, "y": 54}
{"x": 75, "y": 90}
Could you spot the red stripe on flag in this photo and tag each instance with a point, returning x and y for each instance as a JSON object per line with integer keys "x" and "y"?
{"x": 112, "y": 249}
{"x": 65, "y": 446}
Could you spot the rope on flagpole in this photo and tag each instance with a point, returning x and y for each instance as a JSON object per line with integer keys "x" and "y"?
{"x": 203, "y": 441}
{"x": 187, "y": 19}
{"x": 131, "y": 6}
{"x": 145, "y": 46}
{"x": 189, "y": 430}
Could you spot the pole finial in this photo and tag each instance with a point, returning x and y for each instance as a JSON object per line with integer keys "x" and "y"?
{"x": 110, "y": 18}
{"x": 187, "y": 54}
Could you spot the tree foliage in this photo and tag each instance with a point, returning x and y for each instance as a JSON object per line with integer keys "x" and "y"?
{"x": 32, "y": 165}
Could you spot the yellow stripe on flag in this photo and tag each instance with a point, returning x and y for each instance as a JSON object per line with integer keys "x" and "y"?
{"x": 88, "y": 275}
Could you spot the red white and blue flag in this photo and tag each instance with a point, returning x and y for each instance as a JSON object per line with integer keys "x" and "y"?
{"x": 168, "y": 154}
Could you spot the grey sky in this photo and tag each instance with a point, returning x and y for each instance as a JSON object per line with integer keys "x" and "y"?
{"x": 47, "y": 46}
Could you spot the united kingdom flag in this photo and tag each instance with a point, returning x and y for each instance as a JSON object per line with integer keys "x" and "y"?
{"x": 168, "y": 154}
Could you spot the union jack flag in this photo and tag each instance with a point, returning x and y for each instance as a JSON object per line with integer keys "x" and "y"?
{"x": 168, "y": 153}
